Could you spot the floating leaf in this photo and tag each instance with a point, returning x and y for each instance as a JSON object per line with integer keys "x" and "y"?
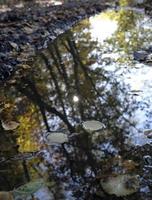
{"x": 57, "y": 137}
{"x": 121, "y": 185}
{"x": 92, "y": 125}
{"x": 30, "y": 187}
{"x": 9, "y": 125}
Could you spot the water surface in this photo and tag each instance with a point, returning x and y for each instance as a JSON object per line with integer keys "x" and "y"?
{"x": 88, "y": 73}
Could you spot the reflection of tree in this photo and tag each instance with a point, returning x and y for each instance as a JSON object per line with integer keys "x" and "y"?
{"x": 64, "y": 71}
{"x": 55, "y": 82}
{"x": 60, "y": 72}
{"x": 10, "y": 174}
{"x": 37, "y": 99}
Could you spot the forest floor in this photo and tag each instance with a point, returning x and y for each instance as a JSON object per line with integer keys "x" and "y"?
{"x": 26, "y": 30}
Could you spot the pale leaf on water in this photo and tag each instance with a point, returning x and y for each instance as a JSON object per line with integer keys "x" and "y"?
{"x": 92, "y": 125}
{"x": 30, "y": 187}
{"x": 118, "y": 185}
{"x": 9, "y": 125}
{"x": 57, "y": 137}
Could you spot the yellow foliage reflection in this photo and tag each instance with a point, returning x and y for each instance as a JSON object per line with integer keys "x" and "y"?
{"x": 28, "y": 130}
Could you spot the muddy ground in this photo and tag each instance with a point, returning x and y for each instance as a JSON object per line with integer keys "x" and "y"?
{"x": 24, "y": 31}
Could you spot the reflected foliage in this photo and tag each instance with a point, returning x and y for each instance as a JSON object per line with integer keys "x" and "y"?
{"x": 127, "y": 38}
{"x": 41, "y": 99}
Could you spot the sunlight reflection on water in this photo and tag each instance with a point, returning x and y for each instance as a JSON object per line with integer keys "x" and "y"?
{"x": 137, "y": 76}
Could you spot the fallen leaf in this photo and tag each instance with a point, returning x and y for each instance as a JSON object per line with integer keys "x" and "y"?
{"x": 14, "y": 45}
{"x": 9, "y": 125}
{"x": 57, "y": 137}
{"x": 121, "y": 185}
{"x": 30, "y": 187}
{"x": 92, "y": 125}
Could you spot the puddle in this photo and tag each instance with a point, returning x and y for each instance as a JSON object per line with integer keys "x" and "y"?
{"x": 88, "y": 73}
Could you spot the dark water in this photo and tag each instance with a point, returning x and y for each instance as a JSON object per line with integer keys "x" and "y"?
{"x": 88, "y": 73}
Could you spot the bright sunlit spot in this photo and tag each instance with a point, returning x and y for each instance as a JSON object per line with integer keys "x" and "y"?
{"x": 102, "y": 27}
{"x": 75, "y": 98}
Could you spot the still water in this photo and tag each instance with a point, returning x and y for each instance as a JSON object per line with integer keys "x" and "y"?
{"x": 89, "y": 73}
